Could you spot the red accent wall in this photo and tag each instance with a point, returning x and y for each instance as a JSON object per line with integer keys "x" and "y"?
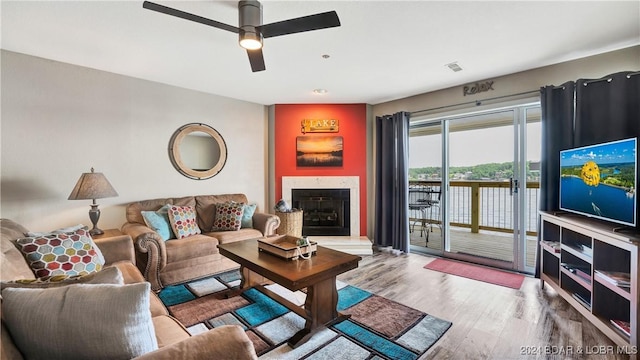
{"x": 352, "y": 122}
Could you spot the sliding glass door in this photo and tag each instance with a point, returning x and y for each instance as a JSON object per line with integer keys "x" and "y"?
{"x": 476, "y": 198}
{"x": 480, "y": 183}
{"x": 425, "y": 172}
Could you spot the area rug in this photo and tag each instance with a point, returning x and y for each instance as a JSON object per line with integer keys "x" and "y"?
{"x": 475, "y": 272}
{"x": 378, "y": 328}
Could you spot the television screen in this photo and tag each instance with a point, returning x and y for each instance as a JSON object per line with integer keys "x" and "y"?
{"x": 601, "y": 181}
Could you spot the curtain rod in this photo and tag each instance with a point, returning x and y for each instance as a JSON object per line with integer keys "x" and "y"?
{"x": 609, "y": 78}
{"x": 476, "y": 102}
{"x": 597, "y": 80}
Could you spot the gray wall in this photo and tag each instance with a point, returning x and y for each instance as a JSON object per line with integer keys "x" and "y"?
{"x": 59, "y": 120}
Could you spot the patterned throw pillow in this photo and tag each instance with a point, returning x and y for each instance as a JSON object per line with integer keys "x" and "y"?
{"x": 69, "y": 230}
{"x": 66, "y": 254}
{"x": 247, "y": 215}
{"x": 183, "y": 221}
{"x": 158, "y": 221}
{"x": 228, "y": 216}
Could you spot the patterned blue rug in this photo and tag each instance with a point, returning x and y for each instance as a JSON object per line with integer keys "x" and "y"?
{"x": 379, "y": 328}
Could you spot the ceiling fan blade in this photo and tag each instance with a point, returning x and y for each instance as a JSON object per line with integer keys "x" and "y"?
{"x": 187, "y": 16}
{"x": 256, "y": 60}
{"x": 306, "y": 23}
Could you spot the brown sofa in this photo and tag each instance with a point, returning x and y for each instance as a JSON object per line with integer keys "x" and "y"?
{"x": 174, "y": 342}
{"x": 177, "y": 261}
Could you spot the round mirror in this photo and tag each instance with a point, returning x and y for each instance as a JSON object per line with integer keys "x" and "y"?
{"x": 197, "y": 151}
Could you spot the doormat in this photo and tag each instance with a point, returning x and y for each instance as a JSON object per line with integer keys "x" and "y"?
{"x": 379, "y": 328}
{"x": 475, "y": 272}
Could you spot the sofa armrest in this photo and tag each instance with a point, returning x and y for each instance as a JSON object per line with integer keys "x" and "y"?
{"x": 151, "y": 252}
{"x": 117, "y": 248}
{"x": 225, "y": 342}
{"x": 265, "y": 223}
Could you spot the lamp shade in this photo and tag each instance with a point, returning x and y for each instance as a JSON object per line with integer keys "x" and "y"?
{"x": 92, "y": 185}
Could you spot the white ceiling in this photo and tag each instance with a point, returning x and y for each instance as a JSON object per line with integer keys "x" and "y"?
{"x": 384, "y": 50}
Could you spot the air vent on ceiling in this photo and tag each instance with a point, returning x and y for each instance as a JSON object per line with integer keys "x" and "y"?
{"x": 454, "y": 66}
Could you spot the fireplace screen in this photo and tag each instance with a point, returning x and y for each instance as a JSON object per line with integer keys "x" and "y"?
{"x": 326, "y": 211}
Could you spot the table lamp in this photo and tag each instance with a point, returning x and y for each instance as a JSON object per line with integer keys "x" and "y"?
{"x": 93, "y": 186}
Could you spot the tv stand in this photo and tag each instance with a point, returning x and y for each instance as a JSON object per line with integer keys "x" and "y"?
{"x": 578, "y": 259}
{"x": 627, "y": 229}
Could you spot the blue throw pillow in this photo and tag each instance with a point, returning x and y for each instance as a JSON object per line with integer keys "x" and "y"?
{"x": 247, "y": 216}
{"x": 158, "y": 221}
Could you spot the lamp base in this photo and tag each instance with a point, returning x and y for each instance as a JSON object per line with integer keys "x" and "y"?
{"x": 95, "y": 231}
{"x": 94, "y": 215}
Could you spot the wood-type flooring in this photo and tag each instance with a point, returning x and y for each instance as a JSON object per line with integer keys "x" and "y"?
{"x": 489, "y": 321}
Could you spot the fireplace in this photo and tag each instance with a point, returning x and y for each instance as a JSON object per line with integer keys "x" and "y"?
{"x": 325, "y": 211}
{"x": 328, "y": 182}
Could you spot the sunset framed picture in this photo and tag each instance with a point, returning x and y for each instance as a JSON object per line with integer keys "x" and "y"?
{"x": 314, "y": 151}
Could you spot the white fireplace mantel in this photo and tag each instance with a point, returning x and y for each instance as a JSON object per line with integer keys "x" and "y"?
{"x": 328, "y": 182}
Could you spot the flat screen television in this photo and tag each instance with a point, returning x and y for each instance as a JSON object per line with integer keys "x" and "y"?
{"x": 600, "y": 181}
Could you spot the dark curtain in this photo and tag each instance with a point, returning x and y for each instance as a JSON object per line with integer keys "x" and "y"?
{"x": 557, "y": 134}
{"x": 606, "y": 109}
{"x": 392, "y": 182}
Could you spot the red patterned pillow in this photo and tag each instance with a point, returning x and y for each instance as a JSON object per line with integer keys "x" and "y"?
{"x": 183, "y": 221}
{"x": 61, "y": 254}
{"x": 228, "y": 217}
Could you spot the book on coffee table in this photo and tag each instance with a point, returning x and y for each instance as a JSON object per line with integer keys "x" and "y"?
{"x": 286, "y": 246}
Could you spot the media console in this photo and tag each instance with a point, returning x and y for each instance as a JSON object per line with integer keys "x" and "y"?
{"x": 595, "y": 269}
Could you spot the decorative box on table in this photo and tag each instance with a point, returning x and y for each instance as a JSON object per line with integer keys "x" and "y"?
{"x": 286, "y": 246}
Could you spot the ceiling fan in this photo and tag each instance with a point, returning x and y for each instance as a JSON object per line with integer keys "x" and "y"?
{"x": 251, "y": 29}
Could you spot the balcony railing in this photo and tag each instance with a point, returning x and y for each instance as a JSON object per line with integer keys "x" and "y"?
{"x": 482, "y": 205}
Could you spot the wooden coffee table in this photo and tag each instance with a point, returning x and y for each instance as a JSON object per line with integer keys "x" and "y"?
{"x": 317, "y": 274}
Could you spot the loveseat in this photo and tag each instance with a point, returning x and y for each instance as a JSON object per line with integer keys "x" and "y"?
{"x": 173, "y": 340}
{"x": 178, "y": 260}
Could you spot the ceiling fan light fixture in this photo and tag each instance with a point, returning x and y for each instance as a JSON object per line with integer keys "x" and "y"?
{"x": 250, "y": 17}
{"x": 250, "y": 41}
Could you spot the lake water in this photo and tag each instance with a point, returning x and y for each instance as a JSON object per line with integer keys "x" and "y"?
{"x": 602, "y": 200}
{"x": 318, "y": 160}
{"x": 496, "y": 207}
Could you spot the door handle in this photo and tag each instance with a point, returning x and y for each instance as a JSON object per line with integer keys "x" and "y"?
{"x": 513, "y": 186}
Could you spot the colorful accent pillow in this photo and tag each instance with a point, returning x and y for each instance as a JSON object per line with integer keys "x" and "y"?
{"x": 247, "y": 215}
{"x": 228, "y": 217}
{"x": 67, "y": 254}
{"x": 69, "y": 230}
{"x": 97, "y": 321}
{"x": 158, "y": 221}
{"x": 183, "y": 221}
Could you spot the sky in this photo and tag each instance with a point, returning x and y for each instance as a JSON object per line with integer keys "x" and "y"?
{"x": 310, "y": 144}
{"x": 616, "y": 152}
{"x": 473, "y": 147}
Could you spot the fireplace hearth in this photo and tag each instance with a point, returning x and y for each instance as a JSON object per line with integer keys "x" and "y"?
{"x": 325, "y": 211}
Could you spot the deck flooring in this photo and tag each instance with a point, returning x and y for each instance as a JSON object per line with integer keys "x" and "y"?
{"x": 487, "y": 244}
